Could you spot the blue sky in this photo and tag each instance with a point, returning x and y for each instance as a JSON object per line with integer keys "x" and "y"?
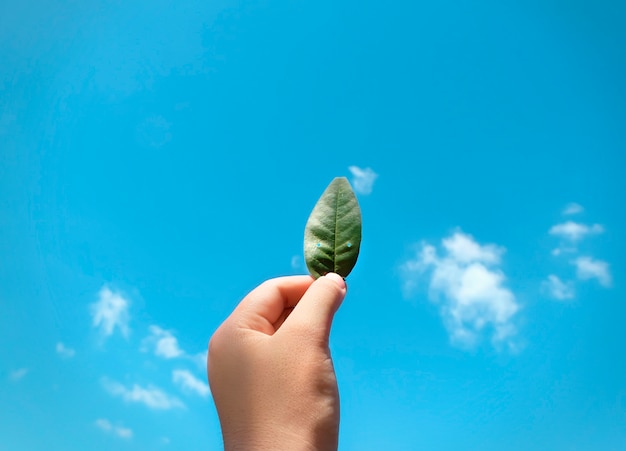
{"x": 158, "y": 160}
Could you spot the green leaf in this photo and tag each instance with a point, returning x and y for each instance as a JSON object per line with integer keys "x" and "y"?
{"x": 332, "y": 236}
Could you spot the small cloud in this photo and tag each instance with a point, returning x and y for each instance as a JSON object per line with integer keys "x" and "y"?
{"x": 573, "y": 209}
{"x": 363, "y": 179}
{"x": 65, "y": 352}
{"x": 103, "y": 424}
{"x": 124, "y": 432}
{"x": 151, "y": 397}
{"x": 106, "y": 426}
{"x": 200, "y": 359}
{"x": 469, "y": 287}
{"x": 574, "y": 231}
{"x": 110, "y": 312}
{"x": 165, "y": 441}
{"x": 189, "y": 382}
{"x": 558, "y": 289}
{"x": 563, "y": 250}
{"x": 296, "y": 263}
{"x": 589, "y": 268}
{"x": 18, "y": 374}
{"x": 164, "y": 343}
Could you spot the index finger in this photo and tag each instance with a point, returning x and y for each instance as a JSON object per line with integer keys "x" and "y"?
{"x": 262, "y": 307}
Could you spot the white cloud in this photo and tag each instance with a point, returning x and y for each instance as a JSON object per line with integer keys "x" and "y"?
{"x": 558, "y": 289}
{"x": 151, "y": 397}
{"x": 189, "y": 382}
{"x": 200, "y": 359}
{"x": 464, "y": 249}
{"x": 64, "y": 351}
{"x": 296, "y": 262}
{"x": 589, "y": 268}
{"x": 573, "y": 209}
{"x": 103, "y": 424}
{"x": 563, "y": 250}
{"x": 123, "y": 432}
{"x": 574, "y": 231}
{"x": 120, "y": 431}
{"x": 363, "y": 179}
{"x": 469, "y": 288}
{"x": 164, "y": 343}
{"x": 18, "y": 374}
{"x": 110, "y": 311}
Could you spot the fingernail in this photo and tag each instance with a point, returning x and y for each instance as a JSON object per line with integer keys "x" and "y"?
{"x": 337, "y": 278}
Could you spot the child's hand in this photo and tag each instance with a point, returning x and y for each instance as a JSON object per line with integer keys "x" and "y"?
{"x": 270, "y": 368}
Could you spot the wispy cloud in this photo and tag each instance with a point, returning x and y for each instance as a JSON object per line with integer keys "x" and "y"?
{"x": 296, "y": 262}
{"x": 469, "y": 287}
{"x": 363, "y": 179}
{"x": 165, "y": 345}
{"x": 574, "y": 231}
{"x": 18, "y": 374}
{"x": 150, "y": 396}
{"x": 572, "y": 209}
{"x": 589, "y": 268}
{"x": 64, "y": 351}
{"x": 188, "y": 382}
{"x": 563, "y": 250}
{"x": 558, "y": 289}
{"x": 105, "y": 425}
{"x": 163, "y": 342}
{"x": 200, "y": 359}
{"x": 110, "y": 312}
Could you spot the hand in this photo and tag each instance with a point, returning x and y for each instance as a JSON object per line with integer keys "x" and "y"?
{"x": 270, "y": 368}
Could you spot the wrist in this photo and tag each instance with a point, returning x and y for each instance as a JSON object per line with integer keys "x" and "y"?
{"x": 273, "y": 438}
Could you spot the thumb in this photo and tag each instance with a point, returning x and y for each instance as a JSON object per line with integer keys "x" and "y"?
{"x": 313, "y": 315}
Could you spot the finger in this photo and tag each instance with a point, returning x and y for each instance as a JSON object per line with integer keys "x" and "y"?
{"x": 264, "y": 305}
{"x": 283, "y": 316}
{"x": 313, "y": 315}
